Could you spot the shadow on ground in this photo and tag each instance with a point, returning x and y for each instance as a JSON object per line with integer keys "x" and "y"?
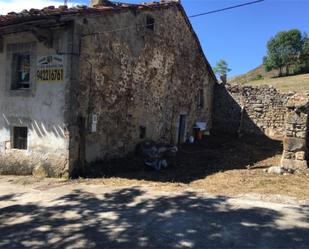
{"x": 126, "y": 218}
{"x": 194, "y": 162}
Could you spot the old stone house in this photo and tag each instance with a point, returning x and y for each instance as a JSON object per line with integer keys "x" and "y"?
{"x": 83, "y": 84}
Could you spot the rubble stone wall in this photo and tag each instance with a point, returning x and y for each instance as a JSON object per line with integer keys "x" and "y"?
{"x": 140, "y": 81}
{"x": 250, "y": 110}
{"x": 295, "y": 141}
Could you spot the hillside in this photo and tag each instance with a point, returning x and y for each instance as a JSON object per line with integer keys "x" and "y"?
{"x": 258, "y": 76}
{"x": 253, "y": 74}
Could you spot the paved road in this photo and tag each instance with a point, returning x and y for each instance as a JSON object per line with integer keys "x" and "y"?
{"x": 53, "y": 214}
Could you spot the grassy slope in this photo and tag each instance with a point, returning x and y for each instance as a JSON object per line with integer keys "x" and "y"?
{"x": 241, "y": 79}
{"x": 290, "y": 83}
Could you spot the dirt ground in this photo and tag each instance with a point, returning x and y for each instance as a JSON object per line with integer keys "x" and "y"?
{"x": 218, "y": 165}
{"x": 53, "y": 213}
{"x": 214, "y": 194}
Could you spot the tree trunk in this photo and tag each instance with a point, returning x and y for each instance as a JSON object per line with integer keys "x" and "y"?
{"x": 280, "y": 71}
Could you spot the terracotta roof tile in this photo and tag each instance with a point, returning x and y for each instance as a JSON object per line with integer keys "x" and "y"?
{"x": 33, "y": 14}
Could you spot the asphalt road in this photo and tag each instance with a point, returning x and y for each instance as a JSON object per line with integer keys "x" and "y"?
{"x": 55, "y": 214}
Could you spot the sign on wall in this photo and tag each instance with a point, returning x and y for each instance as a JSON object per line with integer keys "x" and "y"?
{"x": 50, "y": 69}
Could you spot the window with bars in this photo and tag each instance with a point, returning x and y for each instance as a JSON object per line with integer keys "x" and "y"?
{"x": 20, "y": 71}
{"x": 20, "y": 138}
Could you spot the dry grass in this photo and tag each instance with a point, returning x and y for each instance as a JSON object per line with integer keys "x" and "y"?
{"x": 291, "y": 83}
{"x": 255, "y": 181}
{"x": 217, "y": 166}
{"x": 230, "y": 182}
{"x": 241, "y": 79}
{"x": 203, "y": 167}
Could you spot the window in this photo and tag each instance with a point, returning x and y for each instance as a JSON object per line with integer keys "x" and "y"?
{"x": 150, "y": 22}
{"x": 142, "y": 132}
{"x": 182, "y": 129}
{"x": 20, "y": 71}
{"x": 200, "y": 98}
{"x": 20, "y": 135}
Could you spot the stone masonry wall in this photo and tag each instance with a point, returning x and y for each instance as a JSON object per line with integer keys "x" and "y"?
{"x": 250, "y": 110}
{"x": 295, "y": 140}
{"x": 140, "y": 78}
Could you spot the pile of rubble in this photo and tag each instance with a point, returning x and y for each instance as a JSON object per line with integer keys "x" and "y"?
{"x": 156, "y": 155}
{"x": 279, "y": 170}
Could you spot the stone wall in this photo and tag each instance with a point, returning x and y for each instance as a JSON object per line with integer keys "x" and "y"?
{"x": 41, "y": 109}
{"x": 295, "y": 142}
{"x": 249, "y": 110}
{"x": 136, "y": 83}
{"x": 140, "y": 78}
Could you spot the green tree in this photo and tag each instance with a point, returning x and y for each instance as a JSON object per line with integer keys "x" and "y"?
{"x": 284, "y": 50}
{"x": 221, "y": 69}
{"x": 305, "y": 53}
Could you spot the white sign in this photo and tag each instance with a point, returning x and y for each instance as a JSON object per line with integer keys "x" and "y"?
{"x": 50, "y": 69}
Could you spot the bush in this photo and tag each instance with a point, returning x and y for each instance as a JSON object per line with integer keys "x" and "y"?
{"x": 257, "y": 77}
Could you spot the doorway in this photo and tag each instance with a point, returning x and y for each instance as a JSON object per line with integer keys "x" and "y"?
{"x": 182, "y": 128}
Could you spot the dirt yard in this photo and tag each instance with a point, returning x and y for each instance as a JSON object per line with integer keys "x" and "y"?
{"x": 218, "y": 165}
{"x": 53, "y": 213}
{"x": 214, "y": 193}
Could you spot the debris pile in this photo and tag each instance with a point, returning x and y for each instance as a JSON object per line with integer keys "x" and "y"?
{"x": 279, "y": 170}
{"x": 156, "y": 155}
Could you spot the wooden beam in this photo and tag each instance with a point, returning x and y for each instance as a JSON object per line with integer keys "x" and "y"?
{"x": 43, "y": 35}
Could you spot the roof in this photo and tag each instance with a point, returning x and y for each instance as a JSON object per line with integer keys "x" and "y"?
{"x": 52, "y": 11}
{"x": 13, "y": 18}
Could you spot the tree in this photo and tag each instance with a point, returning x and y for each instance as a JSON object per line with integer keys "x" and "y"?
{"x": 284, "y": 50}
{"x": 221, "y": 69}
{"x": 305, "y": 53}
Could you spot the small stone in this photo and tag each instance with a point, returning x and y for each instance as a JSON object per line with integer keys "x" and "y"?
{"x": 294, "y": 164}
{"x": 288, "y": 155}
{"x": 294, "y": 144}
{"x": 293, "y": 118}
{"x": 276, "y": 170}
{"x": 301, "y": 134}
{"x": 300, "y": 155}
{"x": 258, "y": 109}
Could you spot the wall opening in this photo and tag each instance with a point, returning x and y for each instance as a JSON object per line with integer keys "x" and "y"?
{"x": 150, "y": 23}
{"x": 142, "y": 132}
{"x": 200, "y": 99}
{"x": 20, "y": 138}
{"x": 20, "y": 71}
{"x": 182, "y": 128}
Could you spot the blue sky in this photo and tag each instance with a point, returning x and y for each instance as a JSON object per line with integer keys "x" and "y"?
{"x": 239, "y": 36}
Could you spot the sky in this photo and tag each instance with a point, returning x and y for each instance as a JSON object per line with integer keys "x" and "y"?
{"x": 238, "y": 36}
